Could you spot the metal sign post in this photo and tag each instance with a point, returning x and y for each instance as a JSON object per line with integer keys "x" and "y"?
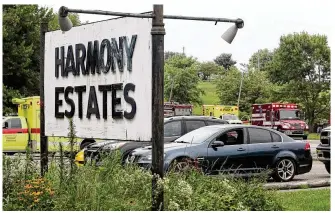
{"x": 43, "y": 138}
{"x": 157, "y": 33}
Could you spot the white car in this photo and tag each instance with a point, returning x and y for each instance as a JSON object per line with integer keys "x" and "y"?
{"x": 231, "y": 119}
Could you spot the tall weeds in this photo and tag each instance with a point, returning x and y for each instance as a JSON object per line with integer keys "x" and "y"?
{"x": 116, "y": 187}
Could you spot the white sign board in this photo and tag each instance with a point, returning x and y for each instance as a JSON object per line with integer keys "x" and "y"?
{"x": 99, "y": 75}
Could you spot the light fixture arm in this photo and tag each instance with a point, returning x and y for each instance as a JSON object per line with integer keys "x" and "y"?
{"x": 63, "y": 12}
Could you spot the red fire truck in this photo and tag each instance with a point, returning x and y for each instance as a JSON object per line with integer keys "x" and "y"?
{"x": 284, "y": 117}
{"x": 176, "y": 109}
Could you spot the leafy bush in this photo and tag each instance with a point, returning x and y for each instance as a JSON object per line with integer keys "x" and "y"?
{"x": 116, "y": 187}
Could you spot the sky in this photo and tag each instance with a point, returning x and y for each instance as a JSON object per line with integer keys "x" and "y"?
{"x": 264, "y": 22}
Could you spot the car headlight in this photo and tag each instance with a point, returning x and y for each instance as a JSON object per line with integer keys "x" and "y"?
{"x": 149, "y": 157}
{"x": 111, "y": 147}
{"x": 306, "y": 126}
{"x": 286, "y": 126}
{"x": 146, "y": 158}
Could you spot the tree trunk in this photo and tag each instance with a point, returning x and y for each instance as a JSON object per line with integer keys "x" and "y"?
{"x": 311, "y": 120}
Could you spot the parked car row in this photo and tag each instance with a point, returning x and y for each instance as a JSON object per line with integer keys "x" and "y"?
{"x": 174, "y": 127}
{"x": 216, "y": 147}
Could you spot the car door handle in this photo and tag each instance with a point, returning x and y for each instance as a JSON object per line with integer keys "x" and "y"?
{"x": 275, "y": 146}
{"x": 19, "y": 132}
{"x": 240, "y": 149}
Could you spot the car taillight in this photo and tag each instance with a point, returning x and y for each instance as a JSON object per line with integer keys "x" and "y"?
{"x": 307, "y": 147}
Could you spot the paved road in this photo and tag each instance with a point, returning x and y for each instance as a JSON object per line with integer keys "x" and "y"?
{"x": 318, "y": 172}
{"x": 314, "y": 144}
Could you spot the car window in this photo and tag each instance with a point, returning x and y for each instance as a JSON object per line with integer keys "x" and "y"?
{"x": 232, "y": 137}
{"x": 209, "y": 123}
{"x": 192, "y": 125}
{"x": 199, "y": 135}
{"x": 14, "y": 123}
{"x": 172, "y": 129}
{"x": 259, "y": 135}
{"x": 276, "y": 137}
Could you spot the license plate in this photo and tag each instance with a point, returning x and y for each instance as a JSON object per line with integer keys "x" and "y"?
{"x": 288, "y": 132}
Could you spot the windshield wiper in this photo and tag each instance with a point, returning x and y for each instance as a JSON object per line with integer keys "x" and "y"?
{"x": 181, "y": 142}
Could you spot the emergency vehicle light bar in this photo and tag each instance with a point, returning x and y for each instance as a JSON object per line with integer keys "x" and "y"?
{"x": 285, "y": 105}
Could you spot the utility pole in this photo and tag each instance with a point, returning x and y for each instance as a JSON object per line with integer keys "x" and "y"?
{"x": 171, "y": 89}
{"x": 244, "y": 69}
{"x": 183, "y": 50}
{"x": 239, "y": 93}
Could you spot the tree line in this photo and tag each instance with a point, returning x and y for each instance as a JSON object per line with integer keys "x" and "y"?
{"x": 298, "y": 70}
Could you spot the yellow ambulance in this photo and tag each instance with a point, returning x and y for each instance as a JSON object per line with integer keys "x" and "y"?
{"x": 23, "y": 130}
{"x": 219, "y": 110}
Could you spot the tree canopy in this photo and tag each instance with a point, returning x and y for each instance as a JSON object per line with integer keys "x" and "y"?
{"x": 225, "y": 60}
{"x": 181, "y": 75}
{"x": 256, "y": 88}
{"x": 21, "y": 48}
{"x": 301, "y": 65}
{"x": 169, "y": 54}
{"x": 261, "y": 59}
{"x": 209, "y": 68}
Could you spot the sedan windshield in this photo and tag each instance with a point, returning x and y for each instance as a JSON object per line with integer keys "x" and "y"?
{"x": 198, "y": 136}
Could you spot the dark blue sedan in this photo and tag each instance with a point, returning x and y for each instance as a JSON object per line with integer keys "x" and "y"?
{"x": 238, "y": 149}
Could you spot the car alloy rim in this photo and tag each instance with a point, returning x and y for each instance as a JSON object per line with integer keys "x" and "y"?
{"x": 285, "y": 169}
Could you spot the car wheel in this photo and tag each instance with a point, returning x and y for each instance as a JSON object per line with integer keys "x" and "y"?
{"x": 327, "y": 165}
{"x": 285, "y": 170}
{"x": 279, "y": 129}
{"x": 125, "y": 156}
{"x": 304, "y": 137}
{"x": 181, "y": 165}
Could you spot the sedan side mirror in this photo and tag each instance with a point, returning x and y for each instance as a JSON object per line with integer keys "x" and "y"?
{"x": 217, "y": 144}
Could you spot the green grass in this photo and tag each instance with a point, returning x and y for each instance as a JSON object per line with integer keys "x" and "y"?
{"x": 209, "y": 97}
{"x": 314, "y": 136}
{"x": 306, "y": 200}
